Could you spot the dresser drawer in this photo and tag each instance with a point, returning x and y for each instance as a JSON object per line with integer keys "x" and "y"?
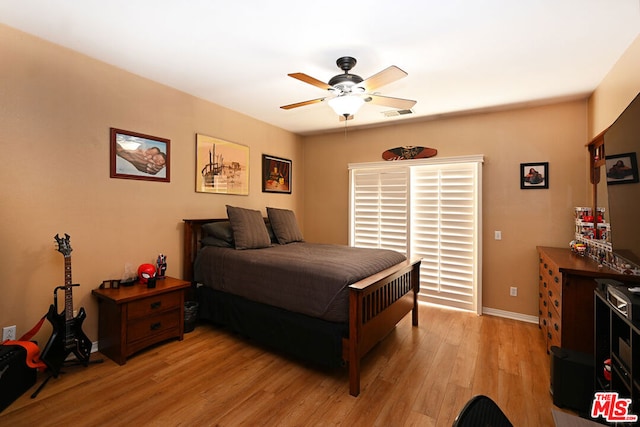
{"x": 555, "y": 297}
{"x": 555, "y": 334}
{"x": 152, "y": 325}
{"x": 151, "y": 305}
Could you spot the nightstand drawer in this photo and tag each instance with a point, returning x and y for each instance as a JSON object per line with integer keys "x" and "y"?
{"x": 149, "y": 326}
{"x": 151, "y": 305}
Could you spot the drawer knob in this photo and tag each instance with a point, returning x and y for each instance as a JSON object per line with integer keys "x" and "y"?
{"x": 155, "y": 305}
{"x": 155, "y": 326}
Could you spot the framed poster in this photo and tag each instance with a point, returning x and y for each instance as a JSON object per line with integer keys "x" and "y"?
{"x": 138, "y": 156}
{"x": 276, "y": 175}
{"x": 534, "y": 175}
{"x": 222, "y": 167}
{"x": 621, "y": 169}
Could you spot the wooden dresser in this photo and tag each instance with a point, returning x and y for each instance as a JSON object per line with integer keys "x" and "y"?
{"x": 133, "y": 318}
{"x": 566, "y": 296}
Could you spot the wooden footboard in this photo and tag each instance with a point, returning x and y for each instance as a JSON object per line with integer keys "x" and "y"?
{"x": 376, "y": 305}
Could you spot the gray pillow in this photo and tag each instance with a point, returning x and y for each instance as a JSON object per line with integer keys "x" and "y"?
{"x": 285, "y": 226}
{"x": 220, "y": 230}
{"x": 249, "y": 230}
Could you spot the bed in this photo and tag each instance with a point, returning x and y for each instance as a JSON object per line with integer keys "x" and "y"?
{"x": 257, "y": 286}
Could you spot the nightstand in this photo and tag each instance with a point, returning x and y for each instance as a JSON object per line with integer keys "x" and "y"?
{"x": 135, "y": 317}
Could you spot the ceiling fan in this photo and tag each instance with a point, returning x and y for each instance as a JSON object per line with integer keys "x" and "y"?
{"x": 348, "y": 92}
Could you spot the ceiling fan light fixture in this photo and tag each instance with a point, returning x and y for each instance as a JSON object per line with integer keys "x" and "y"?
{"x": 346, "y": 105}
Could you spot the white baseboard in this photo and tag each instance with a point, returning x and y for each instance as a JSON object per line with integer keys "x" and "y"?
{"x": 510, "y": 315}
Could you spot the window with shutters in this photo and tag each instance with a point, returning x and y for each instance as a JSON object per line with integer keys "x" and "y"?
{"x": 429, "y": 209}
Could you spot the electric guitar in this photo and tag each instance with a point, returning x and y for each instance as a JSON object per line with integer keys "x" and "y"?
{"x": 67, "y": 336}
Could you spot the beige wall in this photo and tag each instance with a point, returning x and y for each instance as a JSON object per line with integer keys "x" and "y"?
{"x": 56, "y": 108}
{"x": 616, "y": 91}
{"x": 554, "y": 134}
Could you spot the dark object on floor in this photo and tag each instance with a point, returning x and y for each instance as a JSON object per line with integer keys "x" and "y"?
{"x": 572, "y": 374}
{"x": 481, "y": 411}
{"x": 15, "y": 376}
{"x": 190, "y": 315}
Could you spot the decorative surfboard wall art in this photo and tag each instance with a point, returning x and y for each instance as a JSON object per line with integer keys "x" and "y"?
{"x": 408, "y": 152}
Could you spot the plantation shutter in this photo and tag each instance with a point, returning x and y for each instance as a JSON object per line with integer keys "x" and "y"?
{"x": 380, "y": 211}
{"x": 428, "y": 209}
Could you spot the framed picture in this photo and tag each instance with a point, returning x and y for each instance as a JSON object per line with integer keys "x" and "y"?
{"x": 222, "y": 167}
{"x": 621, "y": 168}
{"x": 534, "y": 175}
{"x": 138, "y": 156}
{"x": 276, "y": 175}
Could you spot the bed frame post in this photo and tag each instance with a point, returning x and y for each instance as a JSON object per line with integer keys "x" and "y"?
{"x": 376, "y": 305}
{"x": 355, "y": 310}
{"x": 415, "y": 285}
{"x": 192, "y": 236}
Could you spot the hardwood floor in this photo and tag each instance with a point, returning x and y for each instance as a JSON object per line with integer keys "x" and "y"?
{"x": 415, "y": 377}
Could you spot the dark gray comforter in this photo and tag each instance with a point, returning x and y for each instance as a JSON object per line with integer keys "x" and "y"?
{"x": 306, "y": 278}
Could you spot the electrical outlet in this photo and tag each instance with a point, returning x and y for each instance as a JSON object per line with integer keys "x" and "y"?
{"x": 513, "y": 291}
{"x": 9, "y": 333}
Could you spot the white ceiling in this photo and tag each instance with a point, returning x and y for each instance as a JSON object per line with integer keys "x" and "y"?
{"x": 460, "y": 55}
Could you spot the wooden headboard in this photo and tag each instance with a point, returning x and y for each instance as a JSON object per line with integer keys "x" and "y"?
{"x": 192, "y": 236}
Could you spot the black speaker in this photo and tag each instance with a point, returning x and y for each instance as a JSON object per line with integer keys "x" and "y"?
{"x": 572, "y": 376}
{"x": 15, "y": 376}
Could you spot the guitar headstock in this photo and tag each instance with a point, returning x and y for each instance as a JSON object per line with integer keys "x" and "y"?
{"x": 63, "y": 245}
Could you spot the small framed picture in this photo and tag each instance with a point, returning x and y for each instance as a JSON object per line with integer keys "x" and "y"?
{"x": 110, "y": 284}
{"x": 276, "y": 175}
{"x": 621, "y": 169}
{"x": 534, "y": 175}
{"x": 138, "y": 156}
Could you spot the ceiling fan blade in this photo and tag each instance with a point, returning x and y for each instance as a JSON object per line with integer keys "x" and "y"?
{"x": 386, "y": 76}
{"x": 308, "y": 79}
{"x": 399, "y": 103}
{"x": 302, "y": 104}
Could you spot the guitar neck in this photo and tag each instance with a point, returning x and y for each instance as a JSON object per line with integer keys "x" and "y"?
{"x": 68, "y": 289}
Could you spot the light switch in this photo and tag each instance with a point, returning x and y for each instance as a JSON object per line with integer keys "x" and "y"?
{"x": 498, "y": 235}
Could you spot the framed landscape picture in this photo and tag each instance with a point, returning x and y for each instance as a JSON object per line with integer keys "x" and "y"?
{"x": 222, "y": 167}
